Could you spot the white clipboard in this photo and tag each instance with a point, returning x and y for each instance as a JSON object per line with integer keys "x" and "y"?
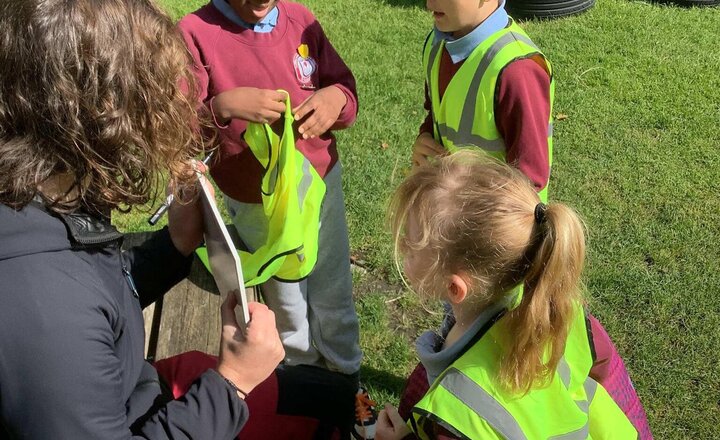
{"x": 222, "y": 256}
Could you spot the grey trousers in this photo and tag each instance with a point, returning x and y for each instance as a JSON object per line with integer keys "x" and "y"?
{"x": 315, "y": 317}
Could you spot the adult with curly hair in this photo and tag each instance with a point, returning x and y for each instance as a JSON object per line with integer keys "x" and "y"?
{"x": 94, "y": 109}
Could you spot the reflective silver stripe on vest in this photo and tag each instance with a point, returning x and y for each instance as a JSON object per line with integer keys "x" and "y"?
{"x": 580, "y": 434}
{"x": 468, "y": 113}
{"x": 590, "y": 388}
{"x": 482, "y": 403}
{"x": 464, "y": 139}
{"x": 563, "y": 370}
{"x": 463, "y": 135}
{"x": 499, "y": 418}
{"x": 431, "y": 60}
{"x": 305, "y": 183}
{"x": 584, "y": 406}
{"x": 526, "y": 40}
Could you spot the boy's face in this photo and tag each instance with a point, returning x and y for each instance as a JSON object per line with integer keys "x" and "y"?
{"x": 252, "y": 11}
{"x": 458, "y": 17}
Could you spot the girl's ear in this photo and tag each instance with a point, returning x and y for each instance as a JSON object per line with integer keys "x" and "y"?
{"x": 458, "y": 289}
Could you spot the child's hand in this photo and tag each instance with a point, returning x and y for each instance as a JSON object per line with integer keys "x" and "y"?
{"x": 425, "y": 147}
{"x": 322, "y": 109}
{"x": 249, "y": 104}
{"x": 390, "y": 426}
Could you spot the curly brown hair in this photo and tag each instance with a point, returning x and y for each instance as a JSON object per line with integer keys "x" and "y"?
{"x": 99, "y": 90}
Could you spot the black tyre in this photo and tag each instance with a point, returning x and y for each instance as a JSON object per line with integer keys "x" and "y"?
{"x": 522, "y": 9}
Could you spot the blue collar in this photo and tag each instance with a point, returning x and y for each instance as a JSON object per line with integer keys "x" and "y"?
{"x": 267, "y": 24}
{"x": 461, "y": 48}
{"x": 428, "y": 345}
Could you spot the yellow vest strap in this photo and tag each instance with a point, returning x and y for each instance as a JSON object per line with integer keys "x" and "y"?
{"x": 463, "y": 135}
{"x": 463, "y": 138}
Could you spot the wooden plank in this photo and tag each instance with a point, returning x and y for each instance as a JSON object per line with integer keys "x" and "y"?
{"x": 191, "y": 316}
{"x": 188, "y": 316}
{"x": 148, "y": 318}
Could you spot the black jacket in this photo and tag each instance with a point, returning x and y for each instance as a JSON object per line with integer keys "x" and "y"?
{"x": 72, "y": 336}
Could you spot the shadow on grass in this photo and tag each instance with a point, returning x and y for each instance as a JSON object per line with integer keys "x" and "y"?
{"x": 382, "y": 380}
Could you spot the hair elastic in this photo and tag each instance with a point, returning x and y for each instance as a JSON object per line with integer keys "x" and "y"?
{"x": 540, "y": 209}
{"x": 214, "y": 117}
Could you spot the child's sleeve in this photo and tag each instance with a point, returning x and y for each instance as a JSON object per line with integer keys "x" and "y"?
{"x": 334, "y": 72}
{"x": 199, "y": 71}
{"x": 609, "y": 371}
{"x": 522, "y": 113}
{"x": 198, "y": 65}
{"x": 415, "y": 388}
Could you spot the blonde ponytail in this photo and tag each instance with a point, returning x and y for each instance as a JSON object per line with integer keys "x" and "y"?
{"x": 474, "y": 215}
{"x": 540, "y": 324}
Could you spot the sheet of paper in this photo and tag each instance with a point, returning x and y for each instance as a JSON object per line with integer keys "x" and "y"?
{"x": 223, "y": 258}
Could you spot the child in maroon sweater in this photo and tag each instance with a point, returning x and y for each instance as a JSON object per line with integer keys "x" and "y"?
{"x": 239, "y": 71}
{"x": 244, "y": 51}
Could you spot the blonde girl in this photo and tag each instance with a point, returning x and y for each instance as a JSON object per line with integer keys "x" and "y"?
{"x": 513, "y": 365}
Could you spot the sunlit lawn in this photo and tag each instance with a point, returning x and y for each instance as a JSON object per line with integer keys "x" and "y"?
{"x": 638, "y": 156}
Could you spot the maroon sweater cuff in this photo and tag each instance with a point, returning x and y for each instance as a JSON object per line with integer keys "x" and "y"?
{"x": 349, "y": 112}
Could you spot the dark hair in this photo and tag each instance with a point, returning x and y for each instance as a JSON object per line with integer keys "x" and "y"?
{"x": 99, "y": 90}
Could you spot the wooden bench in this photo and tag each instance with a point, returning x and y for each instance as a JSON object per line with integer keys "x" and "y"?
{"x": 187, "y": 317}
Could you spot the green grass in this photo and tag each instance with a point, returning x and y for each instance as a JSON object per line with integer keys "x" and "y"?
{"x": 637, "y": 156}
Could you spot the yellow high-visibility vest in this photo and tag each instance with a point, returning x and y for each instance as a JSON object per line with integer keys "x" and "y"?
{"x": 292, "y": 195}
{"x": 465, "y": 116}
{"x": 467, "y": 399}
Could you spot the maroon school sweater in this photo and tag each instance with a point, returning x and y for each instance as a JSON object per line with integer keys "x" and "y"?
{"x": 227, "y": 56}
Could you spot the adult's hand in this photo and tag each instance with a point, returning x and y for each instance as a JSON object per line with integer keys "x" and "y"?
{"x": 426, "y": 147}
{"x": 248, "y": 358}
{"x": 185, "y": 216}
{"x": 249, "y": 104}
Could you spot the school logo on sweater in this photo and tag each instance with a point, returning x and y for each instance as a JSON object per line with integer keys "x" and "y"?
{"x": 304, "y": 66}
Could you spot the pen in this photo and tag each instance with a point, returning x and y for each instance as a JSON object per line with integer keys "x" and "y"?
{"x": 168, "y": 201}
